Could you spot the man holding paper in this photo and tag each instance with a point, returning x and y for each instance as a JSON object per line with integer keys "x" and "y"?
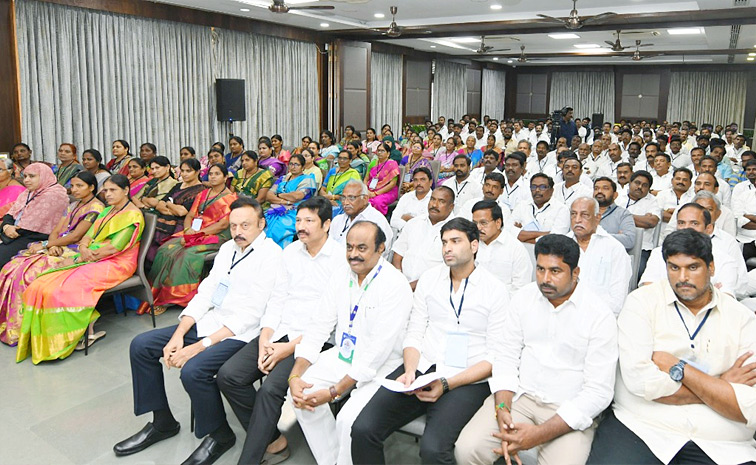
{"x": 457, "y": 320}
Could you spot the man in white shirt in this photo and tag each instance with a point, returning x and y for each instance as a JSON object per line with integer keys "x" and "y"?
{"x": 724, "y": 191}
{"x": 604, "y": 263}
{"x": 288, "y": 313}
{"x": 609, "y": 169}
{"x": 491, "y": 160}
{"x": 541, "y": 160}
{"x": 415, "y": 203}
{"x": 685, "y": 391}
{"x": 540, "y": 216}
{"x": 492, "y": 189}
{"x": 354, "y": 200}
{"x": 595, "y": 161}
{"x": 516, "y": 186}
{"x": 463, "y": 184}
{"x": 679, "y": 157}
{"x": 679, "y": 194}
{"x": 521, "y": 133}
{"x": 566, "y": 192}
{"x": 662, "y": 176}
{"x": 624, "y": 173}
{"x": 645, "y": 210}
{"x": 500, "y": 253}
{"x": 368, "y": 307}
{"x": 455, "y": 347}
{"x": 220, "y": 319}
{"x": 744, "y": 208}
{"x": 726, "y": 220}
{"x": 419, "y": 246}
{"x": 554, "y": 372}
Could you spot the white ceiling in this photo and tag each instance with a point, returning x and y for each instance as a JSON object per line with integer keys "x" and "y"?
{"x": 355, "y": 14}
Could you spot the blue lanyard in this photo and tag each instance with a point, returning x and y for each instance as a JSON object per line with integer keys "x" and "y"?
{"x": 233, "y": 264}
{"x": 706, "y": 317}
{"x": 457, "y": 312}
{"x": 364, "y": 290}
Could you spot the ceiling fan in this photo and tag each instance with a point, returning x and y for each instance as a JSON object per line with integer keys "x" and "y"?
{"x": 279, "y": 6}
{"x": 524, "y": 59}
{"x": 394, "y": 30}
{"x": 573, "y": 21}
{"x": 617, "y": 45}
{"x": 636, "y": 54}
{"x": 483, "y": 48}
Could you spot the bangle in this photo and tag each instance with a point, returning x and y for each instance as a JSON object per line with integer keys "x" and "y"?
{"x": 503, "y": 405}
{"x": 444, "y": 384}
{"x": 292, "y": 377}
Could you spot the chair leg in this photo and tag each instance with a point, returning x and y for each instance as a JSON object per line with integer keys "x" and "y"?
{"x": 86, "y": 342}
{"x": 191, "y": 420}
{"x": 152, "y": 313}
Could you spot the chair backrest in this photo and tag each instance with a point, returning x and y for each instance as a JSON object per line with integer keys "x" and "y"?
{"x": 402, "y": 171}
{"x": 657, "y": 233}
{"x": 636, "y": 257}
{"x": 435, "y": 168}
{"x": 150, "y": 223}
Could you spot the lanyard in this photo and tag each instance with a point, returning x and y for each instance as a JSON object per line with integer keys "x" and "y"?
{"x": 536, "y": 213}
{"x": 628, "y": 202}
{"x": 457, "y": 312}
{"x": 102, "y": 226}
{"x": 29, "y": 199}
{"x": 460, "y": 188}
{"x": 509, "y": 193}
{"x": 233, "y": 264}
{"x": 206, "y": 203}
{"x": 610, "y": 212}
{"x": 353, "y": 313}
{"x": 697, "y": 329}
{"x": 568, "y": 197}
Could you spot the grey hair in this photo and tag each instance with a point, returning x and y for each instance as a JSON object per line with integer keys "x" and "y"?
{"x": 593, "y": 202}
{"x": 8, "y": 163}
{"x": 708, "y": 195}
{"x": 530, "y": 146}
{"x": 355, "y": 182}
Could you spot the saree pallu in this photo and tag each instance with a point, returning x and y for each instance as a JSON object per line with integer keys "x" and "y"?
{"x": 384, "y": 173}
{"x": 176, "y": 271}
{"x": 59, "y": 304}
{"x": 119, "y": 168}
{"x": 19, "y": 273}
{"x": 276, "y": 168}
{"x": 8, "y": 196}
{"x": 168, "y": 225}
{"x": 281, "y": 219}
{"x": 137, "y": 185}
{"x": 64, "y": 175}
{"x": 250, "y": 187}
{"x": 335, "y": 183}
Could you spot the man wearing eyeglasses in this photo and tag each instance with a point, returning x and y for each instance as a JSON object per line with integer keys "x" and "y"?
{"x": 541, "y": 216}
{"x": 354, "y": 201}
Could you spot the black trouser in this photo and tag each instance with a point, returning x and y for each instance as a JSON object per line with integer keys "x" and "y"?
{"x": 388, "y": 411}
{"x": 257, "y": 411}
{"x": 749, "y": 251}
{"x": 197, "y": 376}
{"x": 8, "y": 251}
{"x": 615, "y": 444}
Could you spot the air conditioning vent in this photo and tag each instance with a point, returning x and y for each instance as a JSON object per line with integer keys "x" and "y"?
{"x": 741, "y": 2}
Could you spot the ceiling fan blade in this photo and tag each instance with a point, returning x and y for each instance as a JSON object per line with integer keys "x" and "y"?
{"x": 609, "y": 43}
{"x": 645, "y": 45}
{"x": 598, "y": 18}
{"x": 551, "y": 19}
{"x": 317, "y": 7}
{"x": 500, "y": 49}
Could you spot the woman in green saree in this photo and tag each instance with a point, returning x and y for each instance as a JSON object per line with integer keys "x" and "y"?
{"x": 336, "y": 179}
{"x": 157, "y": 188}
{"x": 252, "y": 180}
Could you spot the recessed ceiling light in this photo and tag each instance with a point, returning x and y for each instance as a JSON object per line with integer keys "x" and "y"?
{"x": 587, "y": 46}
{"x": 752, "y": 54}
{"x": 465, "y": 40}
{"x": 245, "y": 9}
{"x": 496, "y": 59}
{"x": 433, "y": 46}
{"x": 679, "y": 31}
{"x": 509, "y": 61}
{"x": 564, "y": 35}
{"x": 324, "y": 25}
{"x": 496, "y": 7}
{"x": 379, "y": 15}
{"x": 750, "y": 58}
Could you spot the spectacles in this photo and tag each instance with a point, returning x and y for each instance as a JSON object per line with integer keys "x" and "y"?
{"x": 295, "y": 164}
{"x": 351, "y": 198}
{"x": 342, "y": 159}
{"x": 482, "y": 223}
{"x": 540, "y": 187}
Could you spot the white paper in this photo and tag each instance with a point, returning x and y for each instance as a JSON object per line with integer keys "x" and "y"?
{"x": 420, "y": 382}
{"x": 197, "y": 224}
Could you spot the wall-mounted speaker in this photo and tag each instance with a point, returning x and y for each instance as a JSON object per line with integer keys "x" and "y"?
{"x": 229, "y": 95}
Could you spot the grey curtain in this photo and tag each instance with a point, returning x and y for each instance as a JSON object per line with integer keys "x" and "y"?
{"x": 493, "y": 93}
{"x": 586, "y": 92}
{"x": 449, "y": 90}
{"x": 716, "y": 97}
{"x": 386, "y": 90}
{"x": 90, "y": 77}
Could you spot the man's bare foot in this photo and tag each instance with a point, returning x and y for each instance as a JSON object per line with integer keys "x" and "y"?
{"x": 278, "y": 445}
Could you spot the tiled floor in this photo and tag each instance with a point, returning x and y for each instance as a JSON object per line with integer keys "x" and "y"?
{"x": 72, "y": 411}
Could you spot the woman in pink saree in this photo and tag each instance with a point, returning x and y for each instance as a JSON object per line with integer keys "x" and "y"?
{"x": 382, "y": 180}
{"x": 9, "y": 187}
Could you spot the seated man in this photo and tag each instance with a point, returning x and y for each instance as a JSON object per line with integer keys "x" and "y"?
{"x": 415, "y": 202}
{"x": 615, "y": 220}
{"x": 604, "y": 264}
{"x": 456, "y": 345}
{"x": 354, "y": 200}
{"x": 419, "y": 246}
{"x": 500, "y": 253}
{"x": 493, "y": 187}
{"x": 679, "y": 194}
{"x": 645, "y": 210}
{"x": 566, "y": 192}
{"x": 223, "y": 316}
{"x": 463, "y": 185}
{"x": 709, "y": 183}
{"x": 724, "y": 191}
{"x": 516, "y": 186}
{"x": 490, "y": 163}
{"x": 288, "y": 314}
{"x": 662, "y": 175}
{"x": 556, "y": 327}
{"x": 541, "y": 160}
{"x": 542, "y": 216}
{"x": 624, "y": 173}
{"x": 685, "y": 392}
{"x": 368, "y": 307}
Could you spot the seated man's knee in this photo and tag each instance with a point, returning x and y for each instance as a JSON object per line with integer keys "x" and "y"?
{"x": 193, "y": 372}
{"x": 362, "y": 430}
{"x": 433, "y": 450}
{"x": 226, "y": 378}
{"x": 138, "y": 346}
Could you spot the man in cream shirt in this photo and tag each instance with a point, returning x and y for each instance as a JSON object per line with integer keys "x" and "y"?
{"x": 354, "y": 200}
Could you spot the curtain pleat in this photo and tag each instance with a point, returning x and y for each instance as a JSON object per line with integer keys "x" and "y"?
{"x": 386, "y": 90}
{"x": 586, "y": 92}
{"x": 449, "y": 90}
{"x": 716, "y": 97}
{"x": 493, "y": 93}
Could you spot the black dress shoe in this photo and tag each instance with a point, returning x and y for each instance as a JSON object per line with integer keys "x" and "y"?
{"x": 209, "y": 451}
{"x": 143, "y": 439}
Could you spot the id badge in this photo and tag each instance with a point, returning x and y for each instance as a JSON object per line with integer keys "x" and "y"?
{"x": 532, "y": 226}
{"x": 346, "y": 348}
{"x": 220, "y": 292}
{"x": 407, "y": 177}
{"x": 456, "y": 350}
{"x": 373, "y": 183}
{"x": 197, "y": 224}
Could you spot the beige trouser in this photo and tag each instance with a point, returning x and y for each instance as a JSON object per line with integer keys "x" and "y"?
{"x": 475, "y": 444}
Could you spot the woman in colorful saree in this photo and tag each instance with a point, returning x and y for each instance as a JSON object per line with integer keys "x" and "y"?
{"x": 382, "y": 180}
{"x": 358, "y": 160}
{"x": 413, "y": 161}
{"x": 445, "y": 156}
{"x": 267, "y": 161}
{"x": 59, "y": 305}
{"x": 288, "y": 192}
{"x": 19, "y": 273}
{"x": 138, "y": 176}
{"x": 336, "y": 179}
{"x": 10, "y": 189}
{"x": 68, "y": 166}
{"x": 35, "y": 212}
{"x": 176, "y": 271}
{"x": 119, "y": 164}
{"x": 157, "y": 188}
{"x": 252, "y": 180}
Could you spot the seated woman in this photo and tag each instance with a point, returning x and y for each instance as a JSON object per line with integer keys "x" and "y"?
{"x": 35, "y": 212}
{"x": 236, "y": 145}
{"x": 288, "y": 192}
{"x": 157, "y": 188}
{"x": 445, "y": 156}
{"x": 119, "y": 164}
{"x": 349, "y": 131}
{"x": 311, "y": 168}
{"x": 435, "y": 146}
{"x": 21, "y": 154}
{"x": 358, "y": 160}
{"x": 68, "y": 166}
{"x": 371, "y": 142}
{"x": 328, "y": 141}
{"x": 394, "y": 153}
{"x": 278, "y": 151}
{"x": 10, "y": 189}
{"x": 475, "y": 155}
{"x": 176, "y": 271}
{"x": 267, "y": 161}
{"x": 214, "y": 157}
{"x": 413, "y": 161}
{"x": 336, "y": 180}
{"x": 92, "y": 161}
{"x": 306, "y": 140}
{"x": 138, "y": 176}
{"x": 382, "y": 180}
{"x": 19, "y": 273}
{"x": 59, "y": 304}
{"x": 252, "y": 180}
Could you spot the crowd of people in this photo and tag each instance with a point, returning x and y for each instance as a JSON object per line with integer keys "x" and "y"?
{"x": 488, "y": 276}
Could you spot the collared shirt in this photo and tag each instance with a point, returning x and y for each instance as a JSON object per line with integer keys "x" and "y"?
{"x": 609, "y": 169}
{"x": 463, "y": 191}
{"x": 341, "y": 225}
{"x": 556, "y": 174}
{"x": 642, "y": 164}
{"x": 681, "y": 159}
{"x": 420, "y": 246}
{"x": 726, "y": 222}
{"x": 565, "y": 355}
{"x": 591, "y": 165}
{"x": 467, "y": 208}
{"x": 724, "y": 193}
{"x": 641, "y": 207}
{"x": 541, "y": 166}
{"x": 650, "y": 322}
{"x": 484, "y": 305}
{"x": 289, "y": 312}
{"x": 479, "y": 174}
{"x": 408, "y": 204}
{"x": 515, "y": 194}
{"x": 507, "y": 259}
{"x": 251, "y": 283}
{"x": 552, "y": 216}
{"x": 662, "y": 182}
{"x": 619, "y": 222}
{"x": 566, "y": 195}
{"x": 605, "y": 267}
{"x": 379, "y": 324}
{"x": 744, "y": 203}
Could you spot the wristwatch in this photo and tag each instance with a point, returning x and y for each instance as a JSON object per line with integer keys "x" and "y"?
{"x": 677, "y": 371}
{"x": 207, "y": 342}
{"x": 334, "y": 394}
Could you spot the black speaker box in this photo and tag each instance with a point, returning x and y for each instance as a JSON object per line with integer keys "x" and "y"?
{"x": 597, "y": 120}
{"x": 230, "y": 99}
